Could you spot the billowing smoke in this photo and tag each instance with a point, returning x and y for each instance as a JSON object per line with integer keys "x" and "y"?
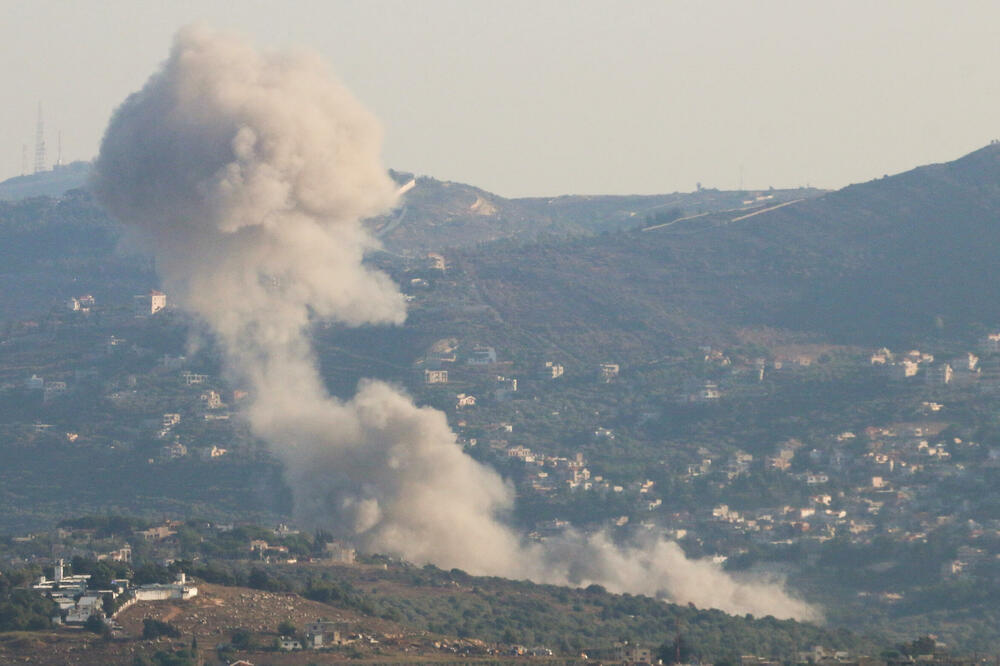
{"x": 249, "y": 173}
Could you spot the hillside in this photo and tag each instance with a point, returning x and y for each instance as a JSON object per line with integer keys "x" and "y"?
{"x": 897, "y": 260}
{"x": 45, "y": 184}
{"x": 52, "y": 249}
{"x": 680, "y": 299}
{"x": 892, "y": 260}
{"x": 435, "y": 214}
{"x": 402, "y": 613}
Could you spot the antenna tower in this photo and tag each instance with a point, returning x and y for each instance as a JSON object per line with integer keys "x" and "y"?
{"x": 40, "y": 142}
{"x": 59, "y": 151}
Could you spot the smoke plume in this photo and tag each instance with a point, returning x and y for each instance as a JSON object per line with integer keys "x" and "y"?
{"x": 249, "y": 173}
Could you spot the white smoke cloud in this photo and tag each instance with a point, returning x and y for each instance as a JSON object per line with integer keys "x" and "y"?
{"x": 250, "y": 172}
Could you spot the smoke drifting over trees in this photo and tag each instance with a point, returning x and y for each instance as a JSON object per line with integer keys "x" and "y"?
{"x": 249, "y": 172}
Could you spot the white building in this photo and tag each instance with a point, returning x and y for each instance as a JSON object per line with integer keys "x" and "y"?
{"x": 482, "y": 356}
{"x": 212, "y": 400}
{"x": 149, "y": 304}
{"x": 192, "y": 378}
{"x": 338, "y": 552}
{"x": 288, "y": 644}
{"x": 903, "y": 369}
{"x": 435, "y": 376}
{"x": 707, "y": 393}
{"x": 323, "y": 633}
{"x": 87, "y": 605}
{"x": 179, "y": 589}
{"x": 608, "y": 371}
{"x": 991, "y": 343}
{"x": 212, "y": 452}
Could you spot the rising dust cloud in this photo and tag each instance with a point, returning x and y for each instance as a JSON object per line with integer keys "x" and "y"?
{"x": 249, "y": 173}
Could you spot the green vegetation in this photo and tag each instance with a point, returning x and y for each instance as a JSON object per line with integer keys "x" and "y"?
{"x": 164, "y": 658}
{"x": 22, "y": 609}
{"x": 905, "y": 261}
{"x": 152, "y": 628}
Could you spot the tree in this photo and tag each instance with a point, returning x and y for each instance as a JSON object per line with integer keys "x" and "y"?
{"x": 241, "y": 639}
{"x": 151, "y": 573}
{"x": 286, "y": 628}
{"x": 24, "y": 609}
{"x": 259, "y": 579}
{"x": 100, "y": 576}
{"x": 155, "y": 628}
{"x": 94, "y": 624}
{"x": 678, "y": 651}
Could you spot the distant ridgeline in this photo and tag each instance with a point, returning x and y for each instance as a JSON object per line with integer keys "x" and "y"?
{"x": 892, "y": 260}
{"x": 51, "y": 249}
{"x": 51, "y": 183}
{"x": 436, "y": 214}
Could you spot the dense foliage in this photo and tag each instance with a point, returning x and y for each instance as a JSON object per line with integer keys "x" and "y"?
{"x": 22, "y": 609}
{"x": 152, "y": 628}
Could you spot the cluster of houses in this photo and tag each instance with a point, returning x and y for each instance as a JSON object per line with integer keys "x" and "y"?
{"x": 543, "y": 474}
{"x": 878, "y": 482}
{"x": 963, "y": 370}
{"x": 143, "y": 305}
{"x": 50, "y": 389}
{"x": 160, "y": 543}
{"x": 77, "y": 602}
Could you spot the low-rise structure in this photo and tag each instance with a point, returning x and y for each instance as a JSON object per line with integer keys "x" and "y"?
{"x": 435, "y": 376}
{"x": 179, "y": 589}
{"x": 482, "y": 356}
{"x": 323, "y": 633}
{"x": 149, "y": 304}
{"x": 608, "y": 372}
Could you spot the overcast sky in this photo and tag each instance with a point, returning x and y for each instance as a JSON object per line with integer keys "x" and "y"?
{"x": 541, "y": 97}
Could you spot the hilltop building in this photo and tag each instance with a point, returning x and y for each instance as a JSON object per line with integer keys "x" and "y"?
{"x": 146, "y": 305}
{"x": 179, "y": 589}
{"x": 608, "y": 371}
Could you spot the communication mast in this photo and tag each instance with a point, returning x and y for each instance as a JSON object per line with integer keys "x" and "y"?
{"x": 40, "y": 142}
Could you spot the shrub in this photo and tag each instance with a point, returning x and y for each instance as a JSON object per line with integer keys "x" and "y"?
{"x": 155, "y": 628}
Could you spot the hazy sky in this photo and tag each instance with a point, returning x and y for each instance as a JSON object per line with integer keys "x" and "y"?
{"x": 541, "y": 97}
